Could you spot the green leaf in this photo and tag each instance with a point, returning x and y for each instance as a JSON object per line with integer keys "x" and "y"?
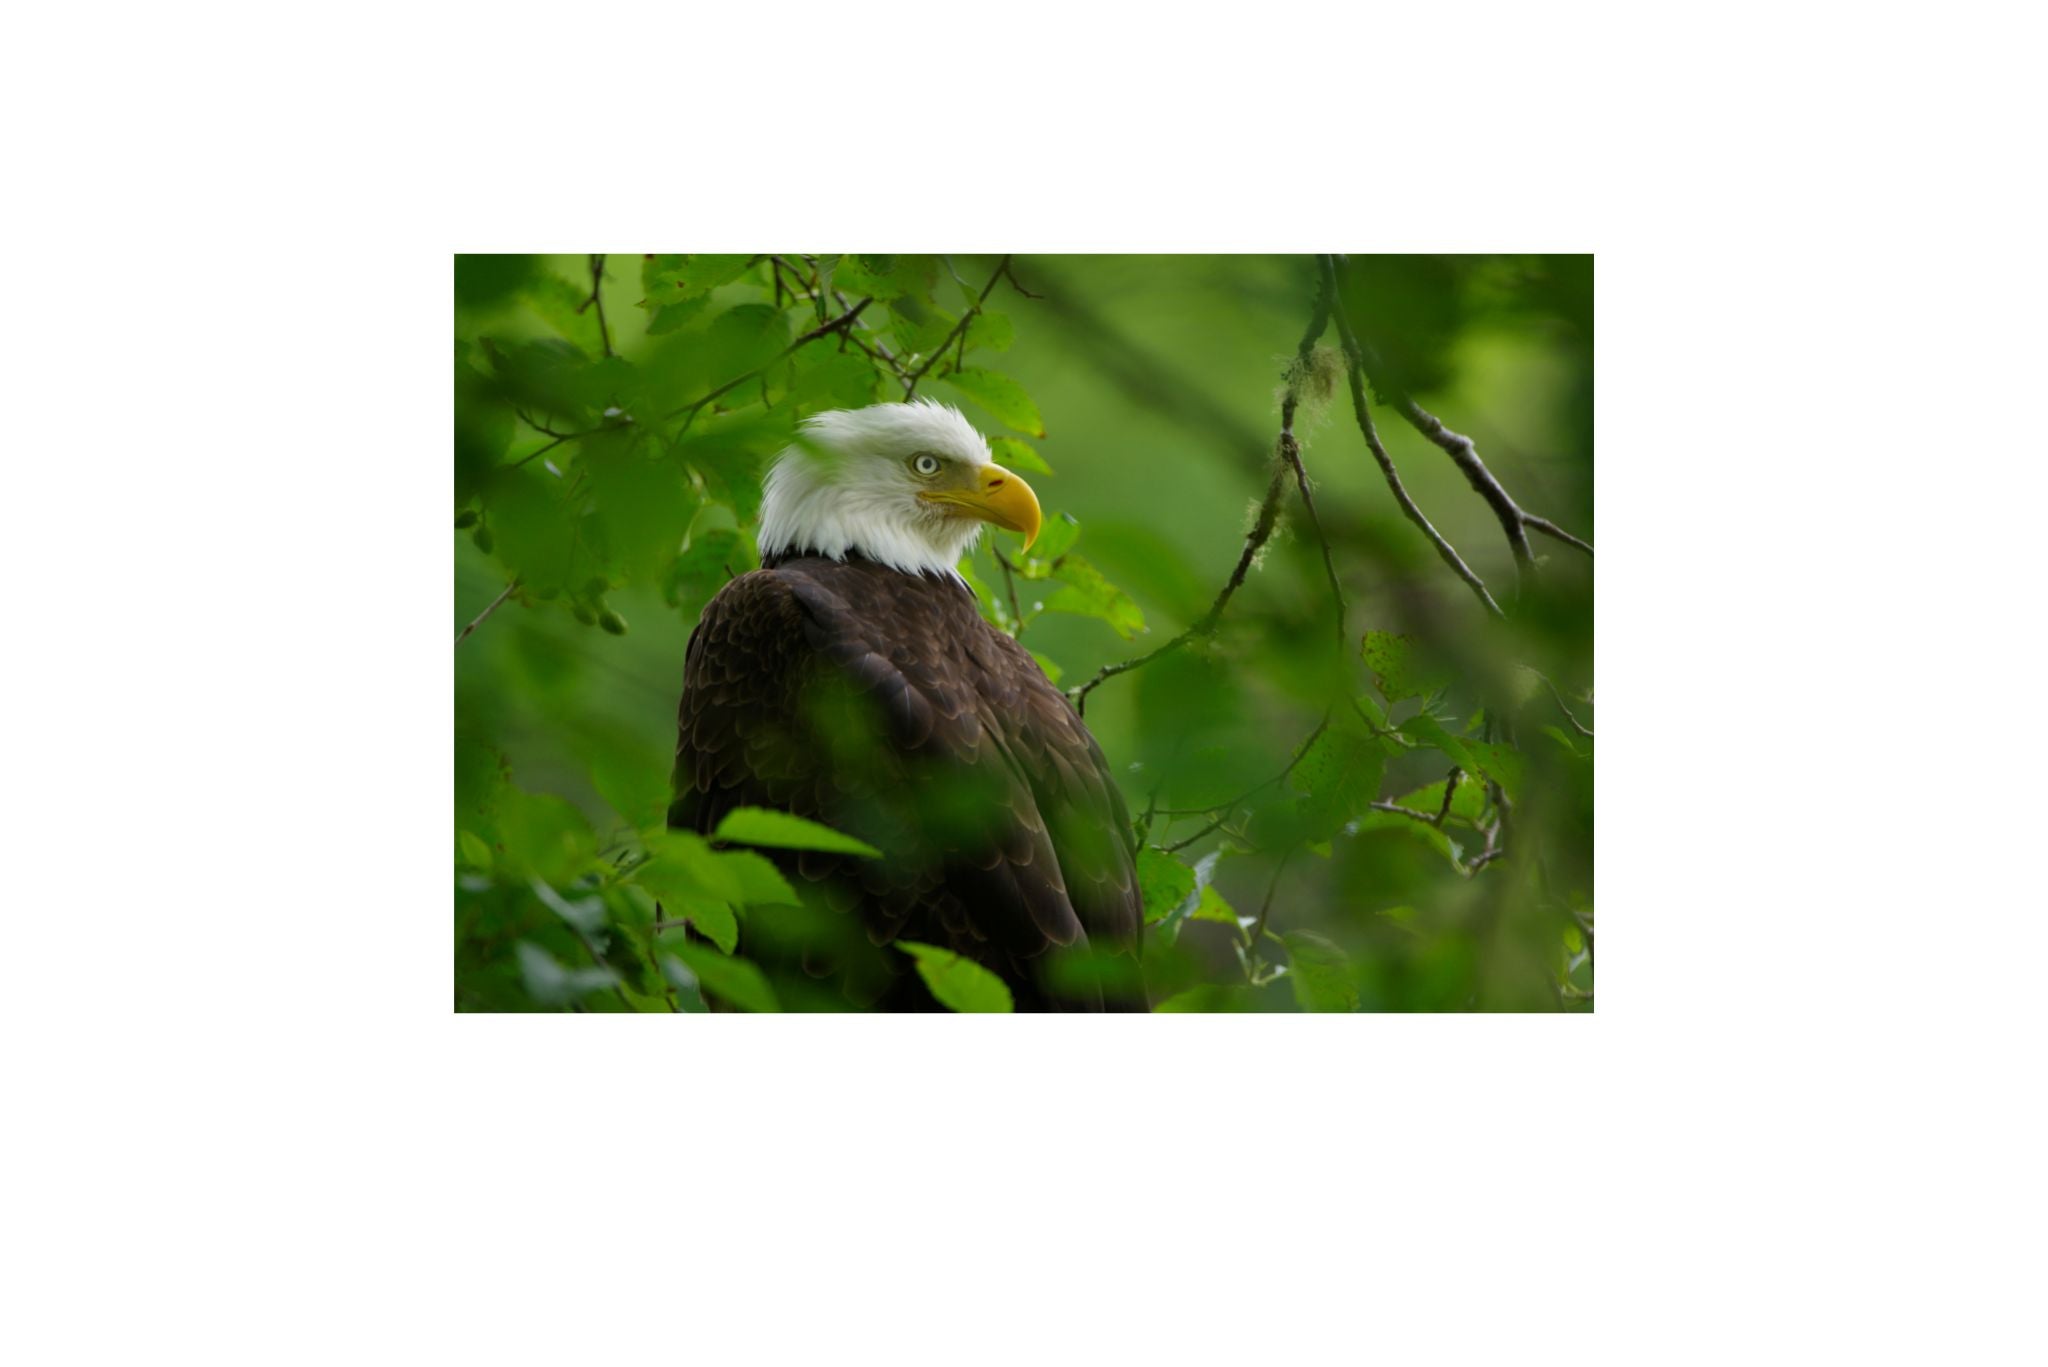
{"x": 713, "y": 920}
{"x": 760, "y": 882}
{"x": 1164, "y": 881}
{"x": 670, "y": 316}
{"x": 1055, "y": 538}
{"x": 1018, "y": 455}
{"x": 780, "y": 830}
{"x": 746, "y": 336}
{"x": 960, "y": 984}
{"x": 831, "y": 379}
{"x": 1339, "y": 777}
{"x": 1001, "y": 396}
{"x": 1046, "y": 663}
{"x": 886, "y": 276}
{"x": 1398, "y": 667}
{"x": 474, "y": 851}
{"x": 1212, "y": 907}
{"x": 1501, "y": 763}
{"x": 733, "y": 979}
{"x": 684, "y": 870}
{"x": 1085, "y": 593}
{"x": 669, "y": 279}
{"x": 992, "y": 330}
{"x": 1321, "y": 973}
{"x": 1571, "y": 746}
{"x": 1427, "y": 730}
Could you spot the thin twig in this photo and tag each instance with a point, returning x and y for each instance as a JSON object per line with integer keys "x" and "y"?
{"x": 959, "y": 329}
{"x": 464, "y": 633}
{"x": 1464, "y": 453}
{"x": 1290, "y": 445}
{"x": 1262, "y": 530}
{"x": 894, "y": 362}
{"x": 1226, "y": 810}
{"x": 1354, "y": 366}
{"x": 1549, "y": 528}
{"x": 597, "y": 297}
{"x": 1577, "y": 725}
{"x": 823, "y": 329}
{"x": 1015, "y": 283}
{"x": 1398, "y": 810}
{"x": 1010, "y": 583}
{"x": 1266, "y": 907}
{"x": 1450, "y": 791}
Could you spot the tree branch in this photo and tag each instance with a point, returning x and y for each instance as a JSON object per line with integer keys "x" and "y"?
{"x": 1290, "y": 446}
{"x": 463, "y": 635}
{"x": 959, "y": 329}
{"x": 1262, "y": 530}
{"x": 597, "y": 297}
{"x": 1224, "y": 812}
{"x": 838, "y": 324}
{"x": 1515, "y": 522}
{"x": 1549, "y": 528}
{"x": 1289, "y": 451}
{"x": 1266, "y": 907}
{"x": 1354, "y": 366}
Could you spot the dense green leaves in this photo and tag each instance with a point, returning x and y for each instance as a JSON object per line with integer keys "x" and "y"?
{"x": 622, "y": 491}
{"x": 959, "y": 984}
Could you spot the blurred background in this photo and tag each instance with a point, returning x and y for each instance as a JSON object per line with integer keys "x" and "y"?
{"x": 1143, "y": 395}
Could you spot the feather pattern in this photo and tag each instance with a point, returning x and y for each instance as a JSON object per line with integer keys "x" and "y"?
{"x": 881, "y": 703}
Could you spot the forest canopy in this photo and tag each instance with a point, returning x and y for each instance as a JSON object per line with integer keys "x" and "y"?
{"x": 1316, "y": 566}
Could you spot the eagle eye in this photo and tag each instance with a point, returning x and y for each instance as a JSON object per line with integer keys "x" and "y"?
{"x": 925, "y": 464}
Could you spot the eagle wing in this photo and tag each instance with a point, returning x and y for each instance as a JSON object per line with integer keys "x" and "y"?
{"x": 883, "y": 705}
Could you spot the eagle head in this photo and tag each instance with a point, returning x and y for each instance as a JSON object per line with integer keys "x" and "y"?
{"x": 906, "y": 485}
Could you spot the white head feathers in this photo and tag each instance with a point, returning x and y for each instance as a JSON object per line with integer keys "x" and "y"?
{"x": 847, "y": 485}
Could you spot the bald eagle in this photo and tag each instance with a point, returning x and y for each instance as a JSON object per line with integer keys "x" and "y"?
{"x": 852, "y": 680}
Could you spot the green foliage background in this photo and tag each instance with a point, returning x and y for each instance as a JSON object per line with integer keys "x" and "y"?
{"x": 607, "y": 464}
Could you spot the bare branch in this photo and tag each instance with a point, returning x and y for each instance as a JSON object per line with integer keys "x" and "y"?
{"x": 1577, "y": 725}
{"x": 597, "y": 297}
{"x": 1464, "y": 453}
{"x": 463, "y": 635}
{"x": 1010, "y": 584}
{"x": 1549, "y": 528}
{"x": 1355, "y": 372}
{"x": 1450, "y": 791}
{"x": 1262, "y": 530}
{"x": 1015, "y": 283}
{"x": 1266, "y": 907}
{"x": 1289, "y": 452}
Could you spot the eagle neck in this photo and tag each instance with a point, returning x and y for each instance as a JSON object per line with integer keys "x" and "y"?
{"x": 771, "y": 560}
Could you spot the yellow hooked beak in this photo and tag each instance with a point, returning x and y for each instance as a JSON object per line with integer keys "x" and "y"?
{"x": 996, "y": 496}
